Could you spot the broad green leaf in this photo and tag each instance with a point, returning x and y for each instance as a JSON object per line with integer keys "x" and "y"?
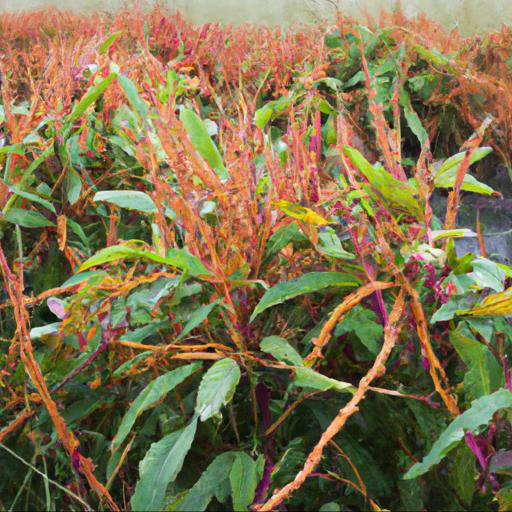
{"x": 396, "y": 193}
{"x": 109, "y": 41}
{"x": 456, "y": 160}
{"x": 483, "y": 375}
{"x": 84, "y": 276}
{"x": 470, "y": 183}
{"x": 330, "y": 245}
{"x": 363, "y": 323}
{"x": 133, "y": 96}
{"x": 488, "y": 274}
{"x": 33, "y": 198}
{"x": 217, "y": 388}
{"x": 281, "y": 350}
{"x": 215, "y": 476}
{"x": 462, "y": 475}
{"x": 130, "y": 199}
{"x": 197, "y": 317}
{"x": 202, "y": 142}
{"x": 301, "y": 213}
{"x": 475, "y": 418}
{"x": 160, "y": 466}
{"x": 263, "y": 115}
{"x": 244, "y": 477}
{"x": 27, "y": 218}
{"x": 308, "y": 283}
{"x": 149, "y": 396}
{"x": 308, "y": 378}
{"x": 179, "y": 258}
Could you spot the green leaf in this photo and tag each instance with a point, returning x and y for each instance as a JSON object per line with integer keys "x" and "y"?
{"x": 413, "y": 119}
{"x": 263, "y": 115}
{"x": 432, "y": 55}
{"x": 280, "y": 239}
{"x": 197, "y": 317}
{"x": 33, "y": 198}
{"x": 456, "y": 160}
{"x": 128, "y": 364}
{"x": 149, "y": 396}
{"x": 395, "y": 192}
{"x": 160, "y": 466}
{"x": 217, "y": 388}
{"x": 488, "y": 274}
{"x": 109, "y": 41}
{"x": 478, "y": 416}
{"x": 202, "y": 142}
{"x": 452, "y": 233}
{"x": 483, "y": 375}
{"x": 72, "y": 186}
{"x": 130, "y": 199}
{"x": 27, "y": 218}
{"x": 179, "y": 258}
{"x": 462, "y": 475}
{"x": 363, "y": 323}
{"x": 330, "y": 507}
{"x": 92, "y": 94}
{"x": 308, "y": 378}
{"x": 244, "y": 477}
{"x": 308, "y": 283}
{"x": 470, "y": 183}
{"x": 133, "y": 96}
{"x": 330, "y": 245}
{"x": 215, "y": 475}
{"x": 281, "y": 350}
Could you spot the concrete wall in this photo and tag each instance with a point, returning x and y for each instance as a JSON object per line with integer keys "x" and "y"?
{"x": 469, "y": 15}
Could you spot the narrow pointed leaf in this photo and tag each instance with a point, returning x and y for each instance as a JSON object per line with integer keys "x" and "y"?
{"x": 476, "y": 417}
{"x": 243, "y": 478}
{"x": 395, "y": 192}
{"x": 308, "y": 283}
{"x": 215, "y": 476}
{"x": 149, "y": 396}
{"x": 281, "y": 350}
{"x": 179, "y": 258}
{"x": 309, "y": 378}
{"x": 27, "y": 218}
{"x": 202, "y": 141}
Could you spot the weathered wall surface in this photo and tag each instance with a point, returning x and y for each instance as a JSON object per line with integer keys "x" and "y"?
{"x": 470, "y": 15}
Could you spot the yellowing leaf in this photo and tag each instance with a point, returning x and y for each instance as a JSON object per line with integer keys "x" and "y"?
{"x": 495, "y": 304}
{"x": 301, "y": 213}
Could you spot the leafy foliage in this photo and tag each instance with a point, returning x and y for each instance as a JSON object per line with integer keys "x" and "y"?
{"x": 232, "y": 271}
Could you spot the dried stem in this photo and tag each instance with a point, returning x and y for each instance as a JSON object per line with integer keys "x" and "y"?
{"x": 378, "y": 369}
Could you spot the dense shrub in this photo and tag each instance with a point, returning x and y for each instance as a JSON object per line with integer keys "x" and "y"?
{"x": 227, "y": 279}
